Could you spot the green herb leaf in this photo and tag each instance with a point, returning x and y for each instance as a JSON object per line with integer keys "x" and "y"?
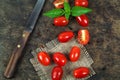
{"x": 54, "y": 13}
{"x": 77, "y": 11}
{"x": 67, "y": 9}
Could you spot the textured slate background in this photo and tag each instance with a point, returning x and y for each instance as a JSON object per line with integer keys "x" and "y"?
{"x": 104, "y": 46}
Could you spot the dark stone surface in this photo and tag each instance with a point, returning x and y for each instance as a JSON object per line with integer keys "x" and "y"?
{"x": 104, "y": 27}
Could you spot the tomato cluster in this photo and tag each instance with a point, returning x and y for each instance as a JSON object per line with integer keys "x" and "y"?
{"x": 60, "y": 59}
{"x": 62, "y": 21}
{"x": 82, "y": 19}
{"x": 74, "y": 54}
{"x": 83, "y": 34}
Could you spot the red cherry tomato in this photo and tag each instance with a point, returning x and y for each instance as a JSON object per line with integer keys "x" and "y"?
{"x": 83, "y": 36}
{"x": 60, "y": 21}
{"x": 59, "y": 3}
{"x": 83, "y": 3}
{"x": 65, "y": 36}
{"x": 82, "y": 20}
{"x": 81, "y": 72}
{"x": 59, "y": 58}
{"x": 43, "y": 58}
{"x": 57, "y": 73}
{"x": 74, "y": 54}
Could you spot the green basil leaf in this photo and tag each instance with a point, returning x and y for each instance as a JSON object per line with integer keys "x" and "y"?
{"x": 67, "y": 9}
{"x": 67, "y": 16}
{"x": 54, "y": 13}
{"x": 77, "y": 11}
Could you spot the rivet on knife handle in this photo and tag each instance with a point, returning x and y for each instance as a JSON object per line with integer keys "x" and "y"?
{"x": 16, "y": 54}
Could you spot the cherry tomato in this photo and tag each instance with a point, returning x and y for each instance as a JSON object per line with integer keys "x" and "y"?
{"x": 83, "y": 36}
{"x": 43, "y": 58}
{"x": 59, "y": 58}
{"x": 65, "y": 36}
{"x": 57, "y": 73}
{"x": 82, "y": 20}
{"x": 60, "y": 21}
{"x": 74, "y": 54}
{"x": 59, "y": 3}
{"x": 81, "y": 72}
{"x": 83, "y": 3}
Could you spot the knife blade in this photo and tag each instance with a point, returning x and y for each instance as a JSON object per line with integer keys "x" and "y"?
{"x": 17, "y": 52}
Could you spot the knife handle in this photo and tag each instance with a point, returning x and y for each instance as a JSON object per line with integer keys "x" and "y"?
{"x": 15, "y": 56}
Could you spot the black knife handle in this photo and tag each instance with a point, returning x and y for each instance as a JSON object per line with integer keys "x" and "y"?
{"x": 16, "y": 55}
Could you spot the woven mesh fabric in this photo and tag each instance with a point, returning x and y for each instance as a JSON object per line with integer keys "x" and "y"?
{"x": 44, "y": 72}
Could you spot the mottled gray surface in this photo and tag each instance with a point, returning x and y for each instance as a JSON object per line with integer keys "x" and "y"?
{"x": 104, "y": 46}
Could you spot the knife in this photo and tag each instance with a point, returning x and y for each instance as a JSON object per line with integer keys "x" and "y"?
{"x": 17, "y": 52}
